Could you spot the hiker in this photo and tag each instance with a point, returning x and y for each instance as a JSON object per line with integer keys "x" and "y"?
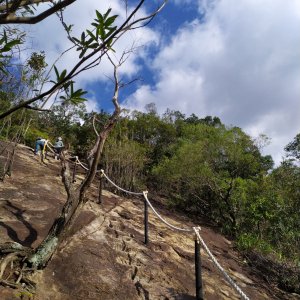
{"x": 40, "y": 145}
{"x": 58, "y": 147}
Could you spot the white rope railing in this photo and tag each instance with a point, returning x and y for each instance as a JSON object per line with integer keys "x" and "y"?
{"x": 195, "y": 229}
{"x": 118, "y": 187}
{"x": 81, "y": 164}
{"x": 161, "y": 218}
{"x": 219, "y": 267}
{"x": 47, "y": 144}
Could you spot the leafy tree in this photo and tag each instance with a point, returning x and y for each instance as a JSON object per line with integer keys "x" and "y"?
{"x": 124, "y": 160}
{"x": 293, "y": 148}
{"x": 205, "y": 170}
{"x": 10, "y": 38}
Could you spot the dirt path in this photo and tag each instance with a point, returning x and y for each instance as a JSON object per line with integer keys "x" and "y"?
{"x": 106, "y": 258}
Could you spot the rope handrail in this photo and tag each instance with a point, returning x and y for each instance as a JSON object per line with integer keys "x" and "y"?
{"x": 118, "y": 187}
{"x": 50, "y": 147}
{"x": 162, "y": 219}
{"x": 149, "y": 203}
{"x": 219, "y": 267}
{"x": 195, "y": 229}
{"x": 82, "y": 165}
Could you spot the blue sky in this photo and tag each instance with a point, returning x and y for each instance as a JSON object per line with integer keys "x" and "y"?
{"x": 238, "y": 60}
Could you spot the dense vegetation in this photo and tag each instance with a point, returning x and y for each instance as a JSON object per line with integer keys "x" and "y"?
{"x": 200, "y": 165}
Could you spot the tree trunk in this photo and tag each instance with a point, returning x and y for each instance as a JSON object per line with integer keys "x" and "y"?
{"x": 57, "y": 232}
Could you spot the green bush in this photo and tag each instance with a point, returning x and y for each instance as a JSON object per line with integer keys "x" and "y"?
{"x": 249, "y": 241}
{"x": 32, "y": 134}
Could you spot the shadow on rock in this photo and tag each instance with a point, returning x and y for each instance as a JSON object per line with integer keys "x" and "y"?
{"x": 18, "y": 213}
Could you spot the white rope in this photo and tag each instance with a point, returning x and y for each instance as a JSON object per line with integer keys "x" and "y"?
{"x": 80, "y": 163}
{"x": 162, "y": 219}
{"x": 219, "y": 267}
{"x": 149, "y": 203}
{"x": 196, "y": 229}
{"x": 118, "y": 187}
{"x": 50, "y": 147}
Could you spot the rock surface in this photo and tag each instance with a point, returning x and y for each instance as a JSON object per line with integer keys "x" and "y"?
{"x": 106, "y": 257}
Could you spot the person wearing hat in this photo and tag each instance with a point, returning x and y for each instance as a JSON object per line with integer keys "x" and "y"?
{"x": 58, "y": 146}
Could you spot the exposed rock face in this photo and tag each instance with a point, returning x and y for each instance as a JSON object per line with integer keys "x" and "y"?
{"x": 106, "y": 257}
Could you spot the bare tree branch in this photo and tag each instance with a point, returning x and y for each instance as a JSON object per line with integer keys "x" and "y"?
{"x": 14, "y": 5}
{"x": 95, "y": 153}
{"x": 13, "y": 19}
{"x": 94, "y": 118}
{"x": 36, "y": 108}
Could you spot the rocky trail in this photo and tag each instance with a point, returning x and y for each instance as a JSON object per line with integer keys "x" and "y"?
{"x": 106, "y": 258}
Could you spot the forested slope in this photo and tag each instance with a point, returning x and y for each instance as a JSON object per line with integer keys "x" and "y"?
{"x": 201, "y": 167}
{"x": 105, "y": 257}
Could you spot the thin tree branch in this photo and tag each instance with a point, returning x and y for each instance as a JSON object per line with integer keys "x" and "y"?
{"x": 13, "y": 19}
{"x": 36, "y": 108}
{"x": 95, "y": 153}
{"x": 94, "y": 118}
{"x": 19, "y": 4}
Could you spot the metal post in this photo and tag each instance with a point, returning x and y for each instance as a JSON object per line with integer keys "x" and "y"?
{"x": 146, "y": 220}
{"x": 199, "y": 290}
{"x": 74, "y": 172}
{"x": 100, "y": 189}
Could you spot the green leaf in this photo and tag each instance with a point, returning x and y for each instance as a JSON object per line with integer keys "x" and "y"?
{"x": 77, "y": 101}
{"x": 59, "y": 77}
{"x": 87, "y": 43}
{"x": 69, "y": 28}
{"x": 9, "y": 45}
{"x": 78, "y": 93}
{"x": 107, "y": 13}
{"x": 82, "y": 52}
{"x": 110, "y": 31}
{"x": 94, "y": 45}
{"x": 76, "y": 40}
{"x": 72, "y": 88}
{"x": 62, "y": 75}
{"x": 110, "y": 21}
{"x": 4, "y": 38}
{"x": 56, "y": 73}
{"x": 101, "y": 32}
{"x": 83, "y": 37}
{"x": 67, "y": 85}
{"x": 91, "y": 35}
{"x": 99, "y": 16}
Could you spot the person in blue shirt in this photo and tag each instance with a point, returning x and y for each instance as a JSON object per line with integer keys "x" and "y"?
{"x": 40, "y": 145}
{"x": 58, "y": 147}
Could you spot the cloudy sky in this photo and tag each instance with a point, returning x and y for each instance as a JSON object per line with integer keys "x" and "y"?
{"x": 238, "y": 60}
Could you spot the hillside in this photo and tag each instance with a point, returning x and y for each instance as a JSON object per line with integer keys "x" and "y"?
{"x": 106, "y": 257}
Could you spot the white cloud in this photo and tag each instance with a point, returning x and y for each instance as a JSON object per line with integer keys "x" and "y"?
{"x": 50, "y": 37}
{"x": 240, "y": 63}
{"x": 92, "y": 105}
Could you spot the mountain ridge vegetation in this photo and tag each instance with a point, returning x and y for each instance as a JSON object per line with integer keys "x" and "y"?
{"x": 105, "y": 256}
{"x": 202, "y": 167}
